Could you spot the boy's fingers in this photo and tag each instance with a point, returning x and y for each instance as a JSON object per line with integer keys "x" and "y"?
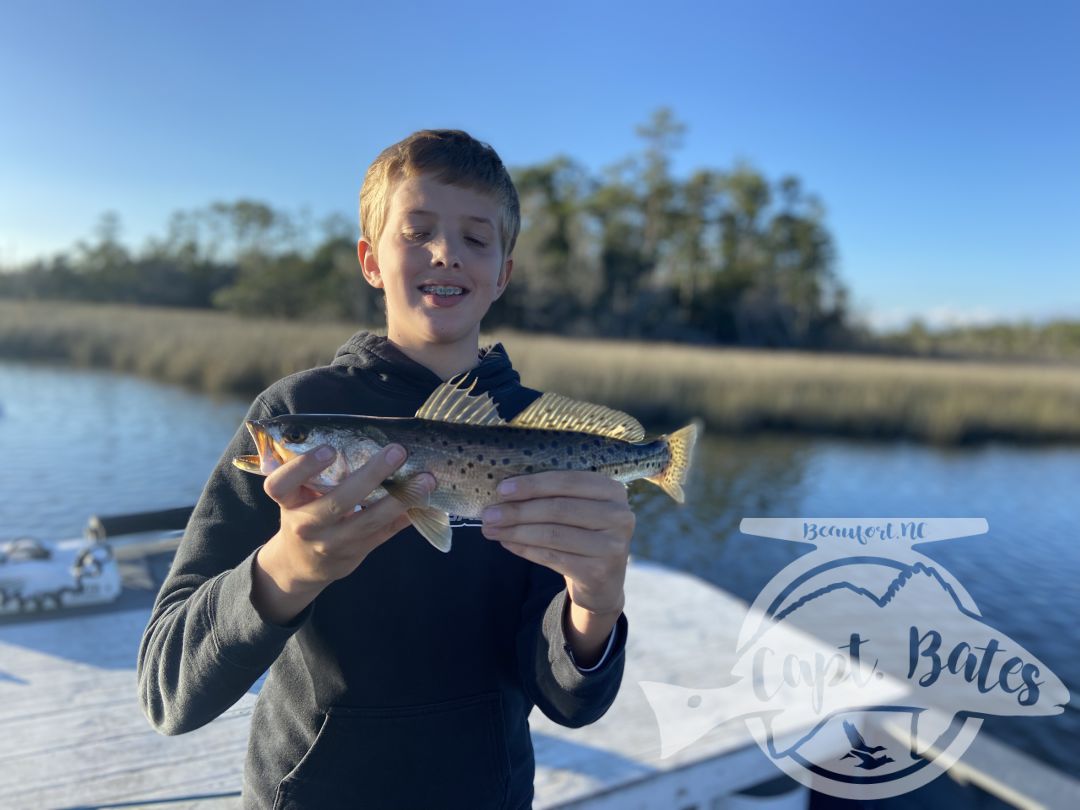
{"x": 283, "y": 484}
{"x": 582, "y": 513}
{"x": 555, "y": 483}
{"x": 381, "y": 521}
{"x": 373, "y": 538}
{"x": 342, "y": 500}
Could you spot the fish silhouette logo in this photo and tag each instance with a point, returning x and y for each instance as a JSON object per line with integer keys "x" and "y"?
{"x": 863, "y": 669}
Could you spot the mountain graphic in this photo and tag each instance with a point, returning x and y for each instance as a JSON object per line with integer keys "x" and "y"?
{"x": 908, "y": 577}
{"x": 842, "y": 606}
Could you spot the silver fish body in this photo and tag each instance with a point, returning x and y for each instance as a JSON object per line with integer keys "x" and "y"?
{"x": 463, "y": 442}
{"x": 467, "y": 461}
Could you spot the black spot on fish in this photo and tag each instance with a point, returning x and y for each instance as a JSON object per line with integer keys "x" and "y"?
{"x": 470, "y": 465}
{"x": 592, "y": 469}
{"x": 453, "y": 486}
{"x": 460, "y": 449}
{"x": 449, "y": 462}
{"x": 584, "y": 446}
{"x": 490, "y": 475}
{"x": 493, "y": 462}
{"x": 506, "y": 461}
{"x": 597, "y": 442}
{"x": 541, "y": 446}
{"x": 479, "y": 458}
{"x": 528, "y": 452}
{"x": 529, "y": 468}
{"x": 445, "y": 442}
{"x": 462, "y": 470}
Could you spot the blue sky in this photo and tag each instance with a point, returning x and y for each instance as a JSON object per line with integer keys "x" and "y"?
{"x": 943, "y": 137}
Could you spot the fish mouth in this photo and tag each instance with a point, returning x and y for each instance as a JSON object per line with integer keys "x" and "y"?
{"x": 249, "y": 464}
{"x": 269, "y": 459}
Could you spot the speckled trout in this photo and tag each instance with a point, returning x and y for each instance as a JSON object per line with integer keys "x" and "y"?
{"x": 459, "y": 437}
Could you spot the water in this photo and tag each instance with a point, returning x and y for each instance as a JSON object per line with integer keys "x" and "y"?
{"x": 77, "y": 443}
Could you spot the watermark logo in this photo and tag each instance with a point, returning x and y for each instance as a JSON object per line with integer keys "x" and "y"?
{"x": 864, "y": 668}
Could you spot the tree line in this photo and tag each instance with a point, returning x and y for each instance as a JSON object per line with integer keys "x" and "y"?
{"x": 721, "y": 256}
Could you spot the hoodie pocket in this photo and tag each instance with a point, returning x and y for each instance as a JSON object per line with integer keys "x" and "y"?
{"x": 443, "y": 755}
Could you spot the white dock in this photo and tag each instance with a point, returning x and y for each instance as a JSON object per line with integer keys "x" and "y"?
{"x": 74, "y": 737}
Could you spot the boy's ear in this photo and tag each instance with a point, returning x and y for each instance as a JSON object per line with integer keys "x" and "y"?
{"x": 369, "y": 266}
{"x": 504, "y": 278}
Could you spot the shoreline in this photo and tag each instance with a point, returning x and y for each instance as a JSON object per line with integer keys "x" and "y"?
{"x": 733, "y": 390}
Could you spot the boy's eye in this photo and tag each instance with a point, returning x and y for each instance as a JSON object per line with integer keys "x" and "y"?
{"x": 415, "y": 235}
{"x": 474, "y": 240}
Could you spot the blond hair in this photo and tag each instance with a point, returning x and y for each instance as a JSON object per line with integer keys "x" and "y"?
{"x": 449, "y": 156}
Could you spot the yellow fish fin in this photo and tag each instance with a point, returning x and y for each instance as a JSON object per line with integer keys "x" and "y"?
{"x": 673, "y": 476}
{"x": 451, "y": 402}
{"x": 556, "y": 412}
{"x": 433, "y": 524}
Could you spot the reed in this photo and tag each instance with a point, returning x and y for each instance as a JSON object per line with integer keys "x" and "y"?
{"x": 732, "y": 390}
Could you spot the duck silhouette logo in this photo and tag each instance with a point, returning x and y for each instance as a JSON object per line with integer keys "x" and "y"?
{"x": 863, "y": 669}
{"x": 862, "y": 751}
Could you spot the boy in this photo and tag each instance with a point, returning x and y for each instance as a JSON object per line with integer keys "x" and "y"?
{"x": 399, "y": 676}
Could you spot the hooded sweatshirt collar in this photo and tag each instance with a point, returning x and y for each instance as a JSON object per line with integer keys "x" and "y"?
{"x": 376, "y": 355}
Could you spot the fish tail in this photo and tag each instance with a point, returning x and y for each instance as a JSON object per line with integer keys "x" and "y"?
{"x": 681, "y": 446}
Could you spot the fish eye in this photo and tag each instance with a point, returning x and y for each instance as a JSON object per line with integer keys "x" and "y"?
{"x": 294, "y": 434}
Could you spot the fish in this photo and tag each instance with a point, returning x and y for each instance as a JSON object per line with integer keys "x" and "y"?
{"x": 458, "y": 436}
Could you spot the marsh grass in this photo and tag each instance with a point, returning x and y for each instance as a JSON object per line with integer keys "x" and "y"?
{"x": 663, "y": 384}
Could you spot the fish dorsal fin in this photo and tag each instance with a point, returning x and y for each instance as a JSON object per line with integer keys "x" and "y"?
{"x": 556, "y": 412}
{"x": 451, "y": 402}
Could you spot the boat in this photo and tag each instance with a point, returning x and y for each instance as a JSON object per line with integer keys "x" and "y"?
{"x": 45, "y": 575}
{"x": 38, "y": 575}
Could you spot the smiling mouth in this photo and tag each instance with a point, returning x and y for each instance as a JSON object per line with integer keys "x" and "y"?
{"x": 444, "y": 290}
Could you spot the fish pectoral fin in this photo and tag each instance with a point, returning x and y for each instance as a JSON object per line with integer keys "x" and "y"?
{"x": 556, "y": 412}
{"x": 433, "y": 524}
{"x": 451, "y": 402}
{"x": 247, "y": 464}
{"x": 408, "y": 492}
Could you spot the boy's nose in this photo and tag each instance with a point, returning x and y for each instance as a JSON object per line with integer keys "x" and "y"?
{"x": 443, "y": 254}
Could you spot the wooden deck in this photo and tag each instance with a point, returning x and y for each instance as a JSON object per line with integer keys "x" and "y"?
{"x": 74, "y": 737}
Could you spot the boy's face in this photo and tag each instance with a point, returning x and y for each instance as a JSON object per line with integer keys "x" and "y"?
{"x": 435, "y": 234}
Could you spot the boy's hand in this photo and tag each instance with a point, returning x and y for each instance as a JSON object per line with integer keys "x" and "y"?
{"x": 578, "y": 524}
{"x": 322, "y": 538}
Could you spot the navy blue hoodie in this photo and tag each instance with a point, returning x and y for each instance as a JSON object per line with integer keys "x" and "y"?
{"x": 408, "y": 683}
